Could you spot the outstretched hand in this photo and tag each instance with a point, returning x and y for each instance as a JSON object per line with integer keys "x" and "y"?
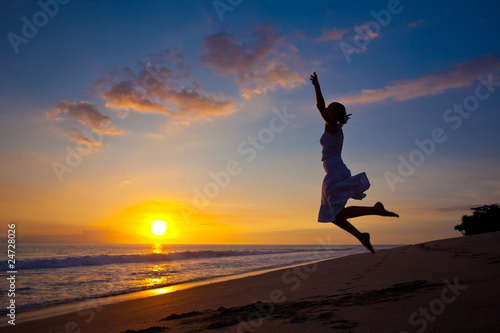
{"x": 314, "y": 80}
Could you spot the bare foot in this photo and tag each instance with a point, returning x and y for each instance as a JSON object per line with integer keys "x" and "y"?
{"x": 365, "y": 240}
{"x": 382, "y": 211}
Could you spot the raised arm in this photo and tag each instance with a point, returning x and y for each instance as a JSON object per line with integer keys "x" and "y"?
{"x": 320, "y": 102}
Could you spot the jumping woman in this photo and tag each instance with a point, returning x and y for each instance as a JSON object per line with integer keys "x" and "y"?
{"x": 339, "y": 185}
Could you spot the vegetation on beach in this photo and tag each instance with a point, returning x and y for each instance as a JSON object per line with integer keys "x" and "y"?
{"x": 484, "y": 219}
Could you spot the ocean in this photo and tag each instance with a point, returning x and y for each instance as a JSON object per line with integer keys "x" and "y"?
{"x": 50, "y": 274}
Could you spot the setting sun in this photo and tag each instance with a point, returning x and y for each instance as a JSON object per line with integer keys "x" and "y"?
{"x": 159, "y": 227}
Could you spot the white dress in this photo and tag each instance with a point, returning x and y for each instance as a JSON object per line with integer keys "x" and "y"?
{"x": 338, "y": 185}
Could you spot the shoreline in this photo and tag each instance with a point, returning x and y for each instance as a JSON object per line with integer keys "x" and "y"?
{"x": 64, "y": 307}
{"x": 81, "y": 305}
{"x": 455, "y": 279}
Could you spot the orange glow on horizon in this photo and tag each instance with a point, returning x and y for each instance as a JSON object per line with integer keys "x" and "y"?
{"x": 184, "y": 225}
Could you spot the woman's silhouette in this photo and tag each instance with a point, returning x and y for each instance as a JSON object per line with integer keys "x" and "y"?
{"x": 339, "y": 185}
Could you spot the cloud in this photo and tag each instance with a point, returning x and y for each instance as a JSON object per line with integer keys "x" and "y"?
{"x": 364, "y": 29}
{"x": 75, "y": 136}
{"x": 332, "y": 34}
{"x": 129, "y": 95}
{"x": 87, "y": 114}
{"x": 416, "y": 24}
{"x": 360, "y": 30}
{"x": 155, "y": 86}
{"x": 460, "y": 76}
{"x": 258, "y": 65}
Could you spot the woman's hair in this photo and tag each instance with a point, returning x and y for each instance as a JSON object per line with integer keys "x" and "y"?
{"x": 340, "y": 111}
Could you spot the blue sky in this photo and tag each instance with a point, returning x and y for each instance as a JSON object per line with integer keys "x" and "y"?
{"x": 214, "y": 83}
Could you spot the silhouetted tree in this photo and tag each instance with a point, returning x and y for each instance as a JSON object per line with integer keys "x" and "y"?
{"x": 484, "y": 219}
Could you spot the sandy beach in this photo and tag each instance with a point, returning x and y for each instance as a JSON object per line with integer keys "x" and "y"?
{"x": 447, "y": 285}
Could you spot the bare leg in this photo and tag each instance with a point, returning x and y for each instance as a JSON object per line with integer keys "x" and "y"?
{"x": 356, "y": 211}
{"x": 363, "y": 237}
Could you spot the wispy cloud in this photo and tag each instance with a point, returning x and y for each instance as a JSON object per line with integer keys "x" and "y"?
{"x": 156, "y": 86}
{"x": 364, "y": 29}
{"x": 359, "y": 31}
{"x": 258, "y": 65}
{"x": 416, "y": 24}
{"x": 360, "y": 36}
{"x": 78, "y": 137}
{"x": 460, "y": 76}
{"x": 87, "y": 114}
{"x": 332, "y": 34}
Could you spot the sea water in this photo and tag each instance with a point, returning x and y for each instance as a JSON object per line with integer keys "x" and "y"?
{"x": 49, "y": 274}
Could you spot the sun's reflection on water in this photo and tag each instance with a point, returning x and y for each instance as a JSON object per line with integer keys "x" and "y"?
{"x": 157, "y": 248}
{"x": 164, "y": 290}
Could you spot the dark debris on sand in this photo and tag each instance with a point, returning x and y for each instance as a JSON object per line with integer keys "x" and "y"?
{"x": 175, "y": 316}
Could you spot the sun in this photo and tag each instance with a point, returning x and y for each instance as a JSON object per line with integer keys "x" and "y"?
{"x": 158, "y": 227}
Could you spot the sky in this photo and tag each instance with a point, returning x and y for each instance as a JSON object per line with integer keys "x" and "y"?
{"x": 114, "y": 114}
